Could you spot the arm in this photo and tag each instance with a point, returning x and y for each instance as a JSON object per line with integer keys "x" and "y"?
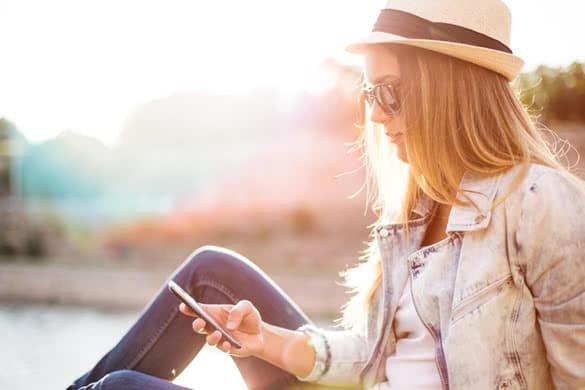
{"x": 550, "y": 241}
{"x": 285, "y": 348}
{"x": 294, "y": 352}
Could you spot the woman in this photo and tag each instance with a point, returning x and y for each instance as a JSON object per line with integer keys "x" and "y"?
{"x": 475, "y": 279}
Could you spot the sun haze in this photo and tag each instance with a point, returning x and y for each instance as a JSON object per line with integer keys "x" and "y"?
{"x": 84, "y": 65}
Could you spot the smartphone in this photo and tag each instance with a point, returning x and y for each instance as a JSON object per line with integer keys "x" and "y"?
{"x": 198, "y": 309}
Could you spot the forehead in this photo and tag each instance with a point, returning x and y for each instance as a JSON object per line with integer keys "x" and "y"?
{"x": 380, "y": 64}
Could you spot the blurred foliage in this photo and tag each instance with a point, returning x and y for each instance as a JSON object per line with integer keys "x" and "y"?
{"x": 303, "y": 220}
{"x": 554, "y": 94}
{"x": 66, "y": 167}
{"x": 23, "y": 235}
{"x": 250, "y": 171}
{"x": 12, "y": 144}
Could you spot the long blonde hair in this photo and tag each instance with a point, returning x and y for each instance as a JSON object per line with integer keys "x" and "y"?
{"x": 459, "y": 117}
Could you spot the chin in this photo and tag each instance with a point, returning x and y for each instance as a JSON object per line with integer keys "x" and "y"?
{"x": 403, "y": 159}
{"x": 401, "y": 154}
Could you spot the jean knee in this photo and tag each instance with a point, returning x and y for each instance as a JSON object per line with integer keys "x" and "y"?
{"x": 218, "y": 264}
{"x": 215, "y": 257}
{"x": 120, "y": 379}
{"x": 129, "y": 380}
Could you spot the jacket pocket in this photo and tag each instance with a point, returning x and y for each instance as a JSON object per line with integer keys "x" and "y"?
{"x": 479, "y": 298}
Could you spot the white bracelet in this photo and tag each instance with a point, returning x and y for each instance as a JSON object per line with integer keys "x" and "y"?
{"x": 320, "y": 344}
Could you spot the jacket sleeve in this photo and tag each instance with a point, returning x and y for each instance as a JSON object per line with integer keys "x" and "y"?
{"x": 550, "y": 244}
{"x": 342, "y": 358}
{"x": 381, "y": 386}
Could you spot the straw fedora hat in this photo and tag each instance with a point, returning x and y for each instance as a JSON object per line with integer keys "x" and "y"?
{"x": 476, "y": 31}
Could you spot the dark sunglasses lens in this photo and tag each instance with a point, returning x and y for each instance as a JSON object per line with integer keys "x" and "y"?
{"x": 386, "y": 96}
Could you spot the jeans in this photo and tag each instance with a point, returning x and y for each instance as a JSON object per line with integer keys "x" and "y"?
{"x": 162, "y": 342}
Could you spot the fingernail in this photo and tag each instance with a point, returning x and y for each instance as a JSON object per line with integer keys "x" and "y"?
{"x": 231, "y": 324}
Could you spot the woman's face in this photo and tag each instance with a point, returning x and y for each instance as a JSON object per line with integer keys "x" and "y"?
{"x": 381, "y": 66}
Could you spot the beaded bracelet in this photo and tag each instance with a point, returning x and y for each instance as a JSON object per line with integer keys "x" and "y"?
{"x": 320, "y": 344}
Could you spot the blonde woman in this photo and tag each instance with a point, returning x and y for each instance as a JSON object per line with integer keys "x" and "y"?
{"x": 475, "y": 279}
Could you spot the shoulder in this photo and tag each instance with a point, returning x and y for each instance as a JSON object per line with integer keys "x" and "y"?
{"x": 549, "y": 187}
{"x": 546, "y": 203}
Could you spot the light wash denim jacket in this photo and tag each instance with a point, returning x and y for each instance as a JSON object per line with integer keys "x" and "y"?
{"x": 508, "y": 313}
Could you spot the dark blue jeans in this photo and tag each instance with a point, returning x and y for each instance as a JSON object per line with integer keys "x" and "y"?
{"x": 162, "y": 342}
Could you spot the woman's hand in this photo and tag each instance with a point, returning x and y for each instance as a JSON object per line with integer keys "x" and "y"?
{"x": 242, "y": 321}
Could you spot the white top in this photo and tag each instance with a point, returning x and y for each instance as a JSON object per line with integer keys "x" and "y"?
{"x": 412, "y": 366}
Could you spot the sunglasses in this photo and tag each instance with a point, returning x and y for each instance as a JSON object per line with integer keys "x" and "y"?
{"x": 386, "y": 95}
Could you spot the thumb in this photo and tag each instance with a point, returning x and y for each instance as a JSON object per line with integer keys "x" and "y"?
{"x": 237, "y": 314}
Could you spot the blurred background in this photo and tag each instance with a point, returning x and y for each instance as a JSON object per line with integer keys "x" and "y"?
{"x": 132, "y": 133}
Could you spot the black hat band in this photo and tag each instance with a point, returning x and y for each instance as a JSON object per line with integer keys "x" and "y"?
{"x": 408, "y": 25}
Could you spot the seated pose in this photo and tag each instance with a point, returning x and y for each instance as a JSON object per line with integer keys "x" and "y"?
{"x": 474, "y": 277}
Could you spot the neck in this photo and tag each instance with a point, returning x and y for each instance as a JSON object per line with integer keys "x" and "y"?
{"x": 442, "y": 211}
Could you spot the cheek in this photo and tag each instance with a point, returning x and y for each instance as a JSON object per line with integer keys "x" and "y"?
{"x": 400, "y": 124}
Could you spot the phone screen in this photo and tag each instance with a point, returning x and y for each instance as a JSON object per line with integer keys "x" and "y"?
{"x": 198, "y": 309}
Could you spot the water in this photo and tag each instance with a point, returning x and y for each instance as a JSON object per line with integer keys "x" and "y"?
{"x": 49, "y": 346}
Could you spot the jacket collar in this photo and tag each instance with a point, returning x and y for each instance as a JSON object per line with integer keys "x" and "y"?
{"x": 481, "y": 190}
{"x": 424, "y": 206}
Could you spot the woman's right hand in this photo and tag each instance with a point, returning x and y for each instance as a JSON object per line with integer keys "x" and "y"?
{"x": 242, "y": 320}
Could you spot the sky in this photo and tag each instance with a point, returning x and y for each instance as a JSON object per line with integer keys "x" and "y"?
{"x": 83, "y": 65}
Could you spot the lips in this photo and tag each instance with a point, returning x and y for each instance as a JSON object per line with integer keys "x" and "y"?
{"x": 394, "y": 138}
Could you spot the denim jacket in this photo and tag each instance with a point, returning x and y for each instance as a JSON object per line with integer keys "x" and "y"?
{"x": 508, "y": 313}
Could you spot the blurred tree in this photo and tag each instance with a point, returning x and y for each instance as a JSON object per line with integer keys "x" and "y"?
{"x": 5, "y": 182}
{"x": 22, "y": 234}
{"x": 554, "y": 94}
{"x": 67, "y": 167}
{"x": 12, "y": 144}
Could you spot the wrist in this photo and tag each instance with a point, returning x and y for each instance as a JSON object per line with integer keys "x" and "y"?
{"x": 297, "y": 346}
{"x": 318, "y": 342}
{"x": 287, "y": 349}
{"x": 259, "y": 350}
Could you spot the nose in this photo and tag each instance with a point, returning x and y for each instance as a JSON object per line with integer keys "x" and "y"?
{"x": 378, "y": 115}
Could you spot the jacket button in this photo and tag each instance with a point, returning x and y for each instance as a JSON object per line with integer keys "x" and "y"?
{"x": 384, "y": 232}
{"x": 479, "y": 218}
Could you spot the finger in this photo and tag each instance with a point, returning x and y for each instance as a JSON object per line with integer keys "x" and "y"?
{"x": 186, "y": 310}
{"x": 213, "y": 338}
{"x": 224, "y": 346}
{"x": 237, "y": 314}
{"x": 199, "y": 325}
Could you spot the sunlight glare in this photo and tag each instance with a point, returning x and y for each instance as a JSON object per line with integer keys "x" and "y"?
{"x": 84, "y": 65}
{"x": 210, "y": 370}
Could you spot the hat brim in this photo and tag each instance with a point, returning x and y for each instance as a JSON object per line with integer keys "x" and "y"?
{"x": 503, "y": 63}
